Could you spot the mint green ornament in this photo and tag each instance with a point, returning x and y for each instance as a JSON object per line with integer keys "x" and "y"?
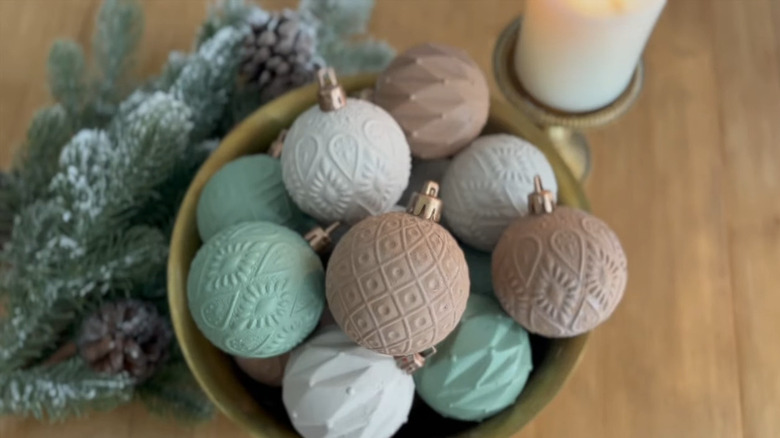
{"x": 256, "y": 289}
{"x": 248, "y": 189}
{"x": 480, "y": 368}
{"x": 479, "y": 270}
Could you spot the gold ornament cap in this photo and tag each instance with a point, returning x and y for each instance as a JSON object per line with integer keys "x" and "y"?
{"x": 541, "y": 201}
{"x": 331, "y": 96}
{"x": 275, "y": 150}
{"x": 319, "y": 239}
{"x": 425, "y": 203}
{"x": 413, "y": 362}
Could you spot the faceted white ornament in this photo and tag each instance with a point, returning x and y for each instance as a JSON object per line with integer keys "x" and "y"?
{"x": 347, "y": 164}
{"x": 334, "y": 388}
{"x": 487, "y": 186}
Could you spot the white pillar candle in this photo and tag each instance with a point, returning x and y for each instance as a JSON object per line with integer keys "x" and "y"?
{"x": 580, "y": 55}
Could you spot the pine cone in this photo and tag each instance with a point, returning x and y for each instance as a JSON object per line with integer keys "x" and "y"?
{"x": 280, "y": 53}
{"x": 126, "y": 335}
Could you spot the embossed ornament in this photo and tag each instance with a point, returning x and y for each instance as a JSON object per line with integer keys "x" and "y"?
{"x": 485, "y": 189}
{"x": 398, "y": 283}
{"x": 345, "y": 159}
{"x": 334, "y": 388}
{"x": 559, "y": 271}
{"x": 439, "y": 96}
{"x": 249, "y": 189}
{"x": 256, "y": 289}
{"x": 481, "y": 368}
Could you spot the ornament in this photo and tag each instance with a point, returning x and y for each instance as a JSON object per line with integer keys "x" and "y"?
{"x": 279, "y": 52}
{"x": 125, "y": 336}
{"x": 249, "y": 189}
{"x": 438, "y": 95}
{"x": 422, "y": 171}
{"x": 398, "y": 283}
{"x": 559, "y": 272}
{"x": 479, "y": 271}
{"x": 334, "y": 388}
{"x": 484, "y": 188}
{"x": 256, "y": 289}
{"x": 481, "y": 368}
{"x": 344, "y": 159}
{"x": 266, "y": 370}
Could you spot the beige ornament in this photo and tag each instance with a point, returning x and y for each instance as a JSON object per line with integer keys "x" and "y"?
{"x": 438, "y": 95}
{"x": 559, "y": 271}
{"x": 266, "y": 370}
{"x": 398, "y": 283}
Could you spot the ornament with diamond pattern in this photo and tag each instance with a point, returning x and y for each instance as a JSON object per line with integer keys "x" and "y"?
{"x": 398, "y": 283}
{"x": 559, "y": 271}
{"x": 344, "y": 159}
{"x": 256, "y": 289}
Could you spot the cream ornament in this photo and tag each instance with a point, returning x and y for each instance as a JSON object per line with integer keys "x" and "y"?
{"x": 486, "y": 186}
{"x": 344, "y": 159}
{"x": 335, "y": 388}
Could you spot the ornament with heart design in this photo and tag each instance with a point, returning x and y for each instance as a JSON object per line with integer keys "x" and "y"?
{"x": 398, "y": 283}
{"x": 248, "y": 189}
{"x": 256, "y": 289}
{"x": 344, "y": 159}
{"x": 559, "y": 271}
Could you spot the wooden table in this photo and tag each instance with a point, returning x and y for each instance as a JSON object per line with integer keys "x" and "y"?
{"x": 689, "y": 179}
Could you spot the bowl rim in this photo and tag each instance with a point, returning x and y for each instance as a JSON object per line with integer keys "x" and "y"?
{"x": 260, "y": 129}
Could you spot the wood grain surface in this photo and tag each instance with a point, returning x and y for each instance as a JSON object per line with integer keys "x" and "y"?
{"x": 689, "y": 179}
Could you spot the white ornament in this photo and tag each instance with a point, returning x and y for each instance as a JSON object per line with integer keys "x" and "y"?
{"x": 487, "y": 186}
{"x": 334, "y": 388}
{"x": 345, "y": 164}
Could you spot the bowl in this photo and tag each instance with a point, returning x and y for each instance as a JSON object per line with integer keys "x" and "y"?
{"x": 257, "y": 408}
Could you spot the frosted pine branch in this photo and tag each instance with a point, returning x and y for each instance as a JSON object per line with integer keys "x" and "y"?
{"x": 68, "y": 388}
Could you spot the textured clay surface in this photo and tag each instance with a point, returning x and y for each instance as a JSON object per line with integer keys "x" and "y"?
{"x": 397, "y": 284}
{"x": 481, "y": 368}
{"x": 347, "y": 164}
{"x": 256, "y": 289}
{"x": 487, "y": 187}
{"x": 334, "y": 388}
{"x": 249, "y": 189}
{"x": 266, "y": 370}
{"x": 559, "y": 274}
{"x": 439, "y": 96}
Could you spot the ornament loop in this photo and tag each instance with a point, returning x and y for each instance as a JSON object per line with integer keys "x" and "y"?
{"x": 541, "y": 201}
{"x": 413, "y": 362}
{"x": 319, "y": 239}
{"x": 275, "y": 150}
{"x": 332, "y": 96}
{"x": 426, "y": 203}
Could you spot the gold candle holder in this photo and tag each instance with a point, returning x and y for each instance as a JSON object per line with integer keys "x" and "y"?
{"x": 563, "y": 128}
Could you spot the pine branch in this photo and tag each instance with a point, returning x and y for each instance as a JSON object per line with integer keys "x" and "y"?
{"x": 118, "y": 30}
{"x": 342, "y": 23}
{"x": 67, "y": 76}
{"x": 208, "y": 81}
{"x": 222, "y": 14}
{"x": 62, "y": 390}
{"x": 37, "y": 161}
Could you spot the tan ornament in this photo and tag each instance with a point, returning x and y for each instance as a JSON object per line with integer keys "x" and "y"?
{"x": 559, "y": 271}
{"x": 266, "y": 370}
{"x": 438, "y": 95}
{"x": 398, "y": 283}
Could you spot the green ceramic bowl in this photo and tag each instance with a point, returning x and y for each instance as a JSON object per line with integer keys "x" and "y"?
{"x": 259, "y": 410}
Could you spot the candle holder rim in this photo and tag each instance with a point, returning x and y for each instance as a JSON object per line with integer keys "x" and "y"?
{"x": 510, "y": 85}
